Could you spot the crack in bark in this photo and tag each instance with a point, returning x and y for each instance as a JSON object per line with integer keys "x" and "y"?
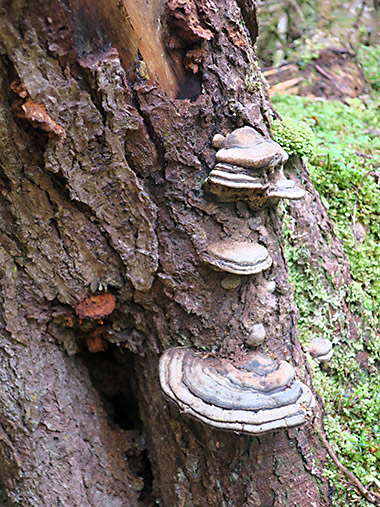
{"x": 153, "y": 135}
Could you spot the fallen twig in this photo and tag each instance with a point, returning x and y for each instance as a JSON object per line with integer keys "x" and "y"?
{"x": 329, "y": 77}
{"x": 362, "y": 489}
{"x": 323, "y": 72}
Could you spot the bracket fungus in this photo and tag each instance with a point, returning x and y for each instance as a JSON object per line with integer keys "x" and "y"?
{"x": 233, "y": 177}
{"x": 286, "y": 189}
{"x": 245, "y": 147}
{"x": 252, "y": 396}
{"x": 237, "y": 257}
{"x": 243, "y": 157}
{"x": 246, "y": 161}
{"x": 320, "y": 349}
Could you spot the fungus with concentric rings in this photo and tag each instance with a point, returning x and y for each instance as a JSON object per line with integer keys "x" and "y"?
{"x": 254, "y": 395}
{"x": 249, "y": 167}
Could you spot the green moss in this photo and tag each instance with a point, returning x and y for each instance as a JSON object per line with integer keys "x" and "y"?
{"x": 295, "y": 137}
{"x": 344, "y": 171}
{"x": 369, "y": 57}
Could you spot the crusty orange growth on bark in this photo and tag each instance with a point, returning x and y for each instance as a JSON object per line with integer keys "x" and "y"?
{"x": 96, "y": 306}
{"x": 36, "y": 113}
{"x": 185, "y": 15}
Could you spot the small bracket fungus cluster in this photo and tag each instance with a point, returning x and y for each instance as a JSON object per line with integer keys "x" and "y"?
{"x": 250, "y": 167}
{"x": 254, "y": 397}
{"x": 320, "y": 349}
{"x": 285, "y": 189}
{"x": 255, "y": 394}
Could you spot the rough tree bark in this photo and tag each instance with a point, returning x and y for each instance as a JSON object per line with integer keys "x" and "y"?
{"x": 108, "y": 110}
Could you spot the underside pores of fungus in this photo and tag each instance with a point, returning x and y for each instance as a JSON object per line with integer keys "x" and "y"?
{"x": 237, "y": 257}
{"x": 321, "y": 349}
{"x": 253, "y": 396}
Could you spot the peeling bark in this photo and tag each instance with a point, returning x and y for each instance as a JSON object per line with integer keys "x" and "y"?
{"x": 115, "y": 202}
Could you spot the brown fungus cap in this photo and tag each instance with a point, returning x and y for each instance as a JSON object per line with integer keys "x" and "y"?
{"x": 247, "y": 148}
{"x": 218, "y": 141}
{"x": 256, "y": 396}
{"x": 244, "y": 137}
{"x": 238, "y": 257}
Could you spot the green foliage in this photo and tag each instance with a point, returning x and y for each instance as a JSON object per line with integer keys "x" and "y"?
{"x": 307, "y": 48}
{"x": 352, "y": 427}
{"x": 295, "y": 137}
{"x": 369, "y": 57}
{"x": 344, "y": 172}
{"x": 345, "y": 169}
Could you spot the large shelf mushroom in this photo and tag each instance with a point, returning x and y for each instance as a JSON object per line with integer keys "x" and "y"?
{"x": 249, "y": 165}
{"x": 254, "y": 396}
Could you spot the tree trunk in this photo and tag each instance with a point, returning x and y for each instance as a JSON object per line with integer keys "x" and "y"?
{"x": 108, "y": 110}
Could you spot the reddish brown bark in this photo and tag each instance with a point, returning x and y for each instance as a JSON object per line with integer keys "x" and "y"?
{"x": 116, "y": 202}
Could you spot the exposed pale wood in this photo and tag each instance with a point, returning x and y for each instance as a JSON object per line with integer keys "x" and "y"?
{"x": 285, "y": 87}
{"x": 135, "y": 31}
{"x": 274, "y": 71}
{"x": 294, "y": 90}
{"x": 146, "y": 23}
{"x": 286, "y": 84}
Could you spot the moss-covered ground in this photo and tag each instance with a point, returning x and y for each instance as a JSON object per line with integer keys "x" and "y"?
{"x": 345, "y": 170}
